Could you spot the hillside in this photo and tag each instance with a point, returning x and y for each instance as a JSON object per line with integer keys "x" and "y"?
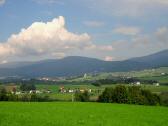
{"x": 75, "y": 65}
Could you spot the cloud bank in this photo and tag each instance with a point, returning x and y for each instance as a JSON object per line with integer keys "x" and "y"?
{"x": 131, "y": 8}
{"x": 141, "y": 45}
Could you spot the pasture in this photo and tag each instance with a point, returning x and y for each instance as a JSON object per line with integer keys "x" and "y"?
{"x": 80, "y": 114}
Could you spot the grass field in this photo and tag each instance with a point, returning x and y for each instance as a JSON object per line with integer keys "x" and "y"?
{"x": 80, "y": 114}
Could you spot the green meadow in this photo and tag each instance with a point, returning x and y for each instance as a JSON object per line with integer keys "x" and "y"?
{"x": 80, "y": 114}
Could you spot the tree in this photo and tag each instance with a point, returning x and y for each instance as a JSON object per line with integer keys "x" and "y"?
{"x": 83, "y": 97}
{"x": 106, "y": 96}
{"x": 164, "y": 98}
{"x": 3, "y": 94}
{"x": 131, "y": 95}
{"x": 150, "y": 98}
{"x": 12, "y": 97}
{"x": 120, "y": 94}
{"x": 27, "y": 87}
{"x": 134, "y": 95}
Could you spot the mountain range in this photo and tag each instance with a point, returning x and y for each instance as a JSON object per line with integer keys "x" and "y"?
{"x": 76, "y": 65}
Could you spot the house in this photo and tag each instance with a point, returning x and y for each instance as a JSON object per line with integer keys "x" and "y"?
{"x": 18, "y": 92}
{"x": 90, "y": 90}
{"x": 38, "y": 92}
{"x": 163, "y": 74}
{"x": 48, "y": 91}
{"x": 32, "y": 91}
{"x": 70, "y": 91}
{"x": 138, "y": 83}
{"x": 156, "y": 84}
{"x": 85, "y": 75}
{"x": 82, "y": 90}
{"x": 62, "y": 89}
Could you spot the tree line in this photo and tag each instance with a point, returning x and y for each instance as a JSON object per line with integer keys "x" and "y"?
{"x": 132, "y": 95}
{"x": 12, "y": 96}
{"x": 119, "y": 94}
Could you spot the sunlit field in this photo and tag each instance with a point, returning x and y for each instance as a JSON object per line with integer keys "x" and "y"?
{"x": 80, "y": 114}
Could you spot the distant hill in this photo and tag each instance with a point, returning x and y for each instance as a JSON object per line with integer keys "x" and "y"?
{"x": 15, "y": 64}
{"x": 75, "y": 65}
{"x": 154, "y": 60}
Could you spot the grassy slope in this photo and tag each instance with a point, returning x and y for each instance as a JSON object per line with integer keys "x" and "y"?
{"x": 144, "y": 74}
{"x": 80, "y": 114}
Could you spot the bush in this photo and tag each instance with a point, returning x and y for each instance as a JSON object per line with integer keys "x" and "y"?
{"x": 12, "y": 97}
{"x": 117, "y": 95}
{"x": 164, "y": 98}
{"x": 83, "y": 97}
{"x": 150, "y": 98}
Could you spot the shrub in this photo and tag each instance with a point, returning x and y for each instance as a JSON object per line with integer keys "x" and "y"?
{"x": 164, "y": 98}
{"x": 83, "y": 97}
{"x": 12, "y": 97}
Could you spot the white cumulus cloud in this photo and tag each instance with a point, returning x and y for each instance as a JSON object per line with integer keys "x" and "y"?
{"x": 42, "y": 38}
{"x": 50, "y": 38}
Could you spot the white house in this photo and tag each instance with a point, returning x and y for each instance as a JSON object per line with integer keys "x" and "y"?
{"x": 156, "y": 84}
{"x": 138, "y": 83}
{"x": 162, "y": 73}
{"x": 90, "y": 90}
{"x": 71, "y": 91}
{"x": 17, "y": 93}
{"x": 38, "y": 92}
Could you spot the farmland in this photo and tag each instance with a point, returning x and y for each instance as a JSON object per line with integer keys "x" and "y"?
{"x": 96, "y": 91}
{"x": 80, "y": 114}
{"x": 94, "y": 95}
{"x": 148, "y": 74}
{"x": 148, "y": 79}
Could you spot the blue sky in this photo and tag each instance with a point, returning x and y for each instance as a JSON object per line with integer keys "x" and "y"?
{"x": 116, "y": 29}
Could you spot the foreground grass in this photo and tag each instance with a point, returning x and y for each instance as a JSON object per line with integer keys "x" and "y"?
{"x": 80, "y": 114}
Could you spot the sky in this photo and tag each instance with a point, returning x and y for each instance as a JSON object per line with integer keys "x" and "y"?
{"x": 110, "y": 30}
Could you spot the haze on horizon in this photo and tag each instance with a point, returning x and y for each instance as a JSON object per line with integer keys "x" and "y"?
{"x": 104, "y": 29}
